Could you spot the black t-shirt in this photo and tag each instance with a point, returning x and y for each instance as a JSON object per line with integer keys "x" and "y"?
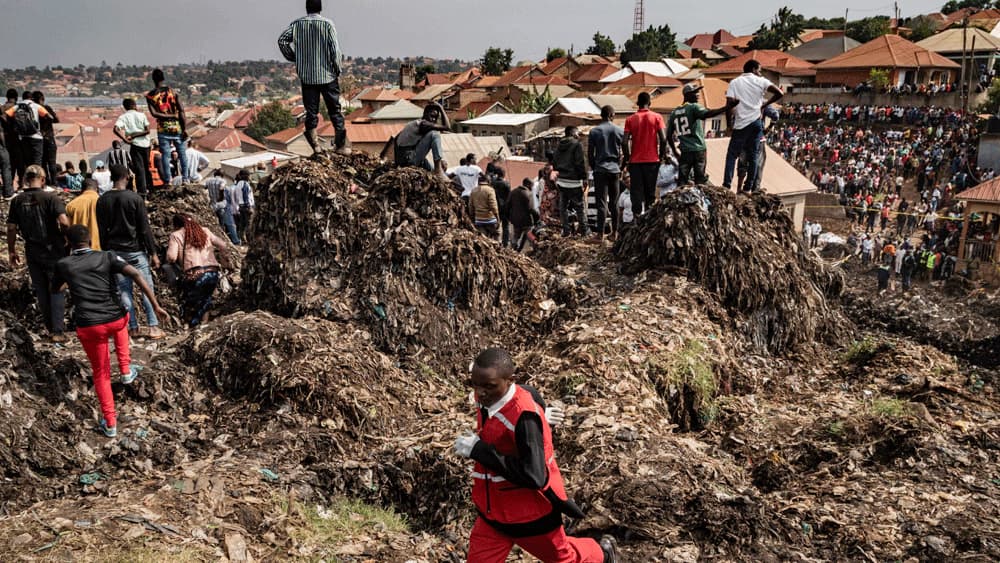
{"x": 36, "y": 214}
{"x": 91, "y": 278}
{"x": 123, "y": 223}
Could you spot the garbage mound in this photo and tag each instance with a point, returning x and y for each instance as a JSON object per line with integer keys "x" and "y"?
{"x": 745, "y": 250}
{"x": 395, "y": 253}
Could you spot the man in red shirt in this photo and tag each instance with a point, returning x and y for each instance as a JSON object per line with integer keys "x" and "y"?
{"x": 644, "y": 147}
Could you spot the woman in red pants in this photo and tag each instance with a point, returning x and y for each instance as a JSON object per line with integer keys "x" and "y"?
{"x": 99, "y": 314}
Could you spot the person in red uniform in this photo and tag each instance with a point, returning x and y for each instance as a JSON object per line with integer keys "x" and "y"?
{"x": 99, "y": 313}
{"x": 517, "y": 487}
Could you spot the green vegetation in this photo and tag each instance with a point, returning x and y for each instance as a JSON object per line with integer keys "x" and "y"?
{"x": 555, "y": 53}
{"x": 878, "y": 77}
{"x": 535, "y": 102}
{"x": 863, "y": 351}
{"x": 783, "y": 32}
{"x": 890, "y": 408}
{"x": 269, "y": 120}
{"x": 653, "y": 44}
{"x": 603, "y": 46}
{"x": 147, "y": 554}
{"x": 496, "y": 61}
{"x": 343, "y": 520}
{"x": 954, "y": 5}
{"x": 992, "y": 103}
{"x": 835, "y": 428}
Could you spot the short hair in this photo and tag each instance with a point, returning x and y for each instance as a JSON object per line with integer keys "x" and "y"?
{"x": 128, "y": 103}
{"x": 497, "y": 358}
{"x": 116, "y": 145}
{"x": 607, "y": 112}
{"x": 314, "y": 6}
{"x": 34, "y": 172}
{"x": 118, "y": 172}
{"x": 527, "y": 182}
{"x": 78, "y": 234}
{"x": 37, "y": 96}
{"x": 429, "y": 109}
{"x": 158, "y": 75}
{"x": 11, "y": 94}
{"x": 218, "y": 173}
{"x": 26, "y": 95}
{"x": 751, "y": 65}
{"x": 90, "y": 184}
{"x": 69, "y": 165}
{"x": 570, "y": 130}
{"x": 644, "y": 100}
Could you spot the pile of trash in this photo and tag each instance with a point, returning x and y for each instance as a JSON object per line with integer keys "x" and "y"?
{"x": 744, "y": 250}
{"x": 393, "y": 251}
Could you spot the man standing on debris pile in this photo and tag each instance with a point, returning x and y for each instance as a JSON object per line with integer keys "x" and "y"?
{"x": 171, "y": 125}
{"x": 124, "y": 226}
{"x": 645, "y": 147}
{"x": 484, "y": 209}
{"x": 687, "y": 123}
{"x": 133, "y": 128}
{"x": 311, "y": 43}
{"x": 217, "y": 200}
{"x": 40, "y": 216}
{"x": 572, "y": 168}
{"x": 99, "y": 314}
{"x": 517, "y": 487}
{"x": 604, "y": 153}
{"x": 746, "y": 119}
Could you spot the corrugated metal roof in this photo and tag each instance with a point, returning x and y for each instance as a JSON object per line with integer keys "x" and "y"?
{"x": 576, "y": 105}
{"x": 403, "y": 109}
{"x": 780, "y": 178}
{"x": 372, "y": 132}
{"x": 622, "y": 104}
{"x": 456, "y": 146}
{"x": 656, "y": 68}
{"x": 506, "y": 119}
{"x": 987, "y": 192}
{"x": 431, "y": 93}
{"x": 616, "y": 76}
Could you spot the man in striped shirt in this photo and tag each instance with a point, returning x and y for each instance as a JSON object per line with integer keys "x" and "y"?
{"x": 311, "y": 43}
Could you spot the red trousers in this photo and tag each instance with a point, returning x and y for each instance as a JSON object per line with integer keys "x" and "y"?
{"x": 486, "y": 545}
{"x": 95, "y": 343}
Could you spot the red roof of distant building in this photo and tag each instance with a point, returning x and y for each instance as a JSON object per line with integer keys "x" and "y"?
{"x": 987, "y": 192}
{"x": 705, "y": 41}
{"x": 888, "y": 51}
{"x": 513, "y": 75}
{"x": 372, "y": 132}
{"x": 286, "y": 136}
{"x": 554, "y": 64}
{"x": 545, "y": 81}
{"x": 592, "y": 72}
{"x": 769, "y": 59}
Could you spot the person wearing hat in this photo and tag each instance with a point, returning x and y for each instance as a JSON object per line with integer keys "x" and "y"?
{"x": 686, "y": 123}
{"x": 103, "y": 177}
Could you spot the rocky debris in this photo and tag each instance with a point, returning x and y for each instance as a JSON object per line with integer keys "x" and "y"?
{"x": 745, "y": 250}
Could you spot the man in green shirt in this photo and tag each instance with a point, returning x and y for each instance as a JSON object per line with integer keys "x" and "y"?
{"x": 686, "y": 122}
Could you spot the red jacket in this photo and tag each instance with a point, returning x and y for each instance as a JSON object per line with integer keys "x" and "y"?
{"x": 496, "y": 498}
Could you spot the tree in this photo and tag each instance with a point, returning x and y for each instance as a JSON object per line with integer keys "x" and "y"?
{"x": 878, "y": 78}
{"x": 992, "y": 103}
{"x": 651, "y": 45}
{"x": 783, "y": 32}
{"x": 271, "y": 118}
{"x": 535, "y": 102}
{"x": 954, "y": 5}
{"x": 496, "y": 61}
{"x": 554, "y": 53}
{"x": 866, "y": 29}
{"x": 603, "y": 46}
{"x": 422, "y": 71}
{"x": 823, "y": 23}
{"x": 921, "y": 27}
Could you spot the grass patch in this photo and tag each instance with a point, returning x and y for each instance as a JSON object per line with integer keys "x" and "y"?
{"x": 686, "y": 380}
{"x": 862, "y": 351}
{"x": 343, "y": 520}
{"x": 890, "y": 408}
{"x": 835, "y": 428}
{"x": 146, "y": 554}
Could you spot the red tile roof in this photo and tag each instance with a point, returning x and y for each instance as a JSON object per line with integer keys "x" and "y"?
{"x": 286, "y": 136}
{"x": 554, "y": 64}
{"x": 435, "y": 79}
{"x": 514, "y": 74}
{"x": 592, "y": 72}
{"x": 545, "y": 81}
{"x": 987, "y": 192}
{"x": 712, "y": 95}
{"x": 474, "y": 109}
{"x": 888, "y": 51}
{"x": 728, "y": 50}
{"x": 240, "y": 119}
{"x": 769, "y": 59}
{"x": 646, "y": 79}
{"x": 705, "y": 41}
{"x": 808, "y": 35}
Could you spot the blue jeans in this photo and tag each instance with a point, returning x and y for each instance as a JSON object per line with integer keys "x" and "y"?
{"x": 429, "y": 143}
{"x": 226, "y": 222}
{"x": 138, "y": 261}
{"x": 168, "y": 142}
{"x": 744, "y": 141}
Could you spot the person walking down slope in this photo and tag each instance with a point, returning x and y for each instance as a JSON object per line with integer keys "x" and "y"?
{"x": 311, "y": 43}
{"x": 192, "y": 247}
{"x": 99, "y": 315}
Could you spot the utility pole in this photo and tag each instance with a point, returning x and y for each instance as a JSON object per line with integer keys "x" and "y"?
{"x": 961, "y": 82}
{"x": 639, "y": 20}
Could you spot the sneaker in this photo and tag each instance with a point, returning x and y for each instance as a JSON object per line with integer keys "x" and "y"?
{"x": 609, "y": 546}
{"x": 133, "y": 373}
{"x": 112, "y": 431}
{"x": 155, "y": 333}
{"x": 58, "y": 337}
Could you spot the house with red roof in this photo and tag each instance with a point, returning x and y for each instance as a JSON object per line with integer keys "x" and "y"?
{"x": 906, "y": 62}
{"x": 226, "y": 139}
{"x": 588, "y": 77}
{"x": 979, "y": 244}
{"x": 778, "y": 67}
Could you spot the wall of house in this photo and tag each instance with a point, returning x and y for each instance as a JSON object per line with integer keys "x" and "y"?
{"x": 989, "y": 151}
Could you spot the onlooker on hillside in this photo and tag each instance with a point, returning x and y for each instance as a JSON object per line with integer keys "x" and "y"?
{"x": 26, "y": 116}
{"x": 49, "y": 147}
{"x": 103, "y": 177}
{"x": 604, "y": 153}
{"x": 119, "y": 155}
{"x": 625, "y": 215}
{"x": 745, "y": 118}
{"x": 12, "y": 142}
{"x": 192, "y": 247}
{"x": 502, "y": 189}
{"x": 522, "y": 213}
{"x": 243, "y": 198}
{"x": 6, "y": 169}
{"x": 133, "y": 128}
{"x": 484, "y": 209}
{"x": 40, "y": 217}
{"x": 83, "y": 211}
{"x": 124, "y": 229}
{"x": 571, "y": 165}
{"x": 196, "y": 162}
{"x": 217, "y": 200}
{"x": 171, "y": 130}
{"x": 420, "y": 137}
{"x": 311, "y": 43}
{"x": 468, "y": 175}
{"x": 687, "y": 122}
{"x": 645, "y": 147}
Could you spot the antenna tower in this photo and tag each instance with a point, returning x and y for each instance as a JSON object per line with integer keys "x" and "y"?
{"x": 638, "y": 24}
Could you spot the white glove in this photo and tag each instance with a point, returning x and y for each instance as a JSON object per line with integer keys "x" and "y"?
{"x": 555, "y": 414}
{"x": 465, "y": 443}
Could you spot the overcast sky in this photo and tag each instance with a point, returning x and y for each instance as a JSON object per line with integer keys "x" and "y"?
{"x": 70, "y": 32}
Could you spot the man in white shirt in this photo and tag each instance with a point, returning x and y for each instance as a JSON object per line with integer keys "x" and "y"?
{"x": 133, "y": 128}
{"x": 103, "y": 177}
{"x": 196, "y": 162}
{"x": 746, "y": 118}
{"x": 468, "y": 174}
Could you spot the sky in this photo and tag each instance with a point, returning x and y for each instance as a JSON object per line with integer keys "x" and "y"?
{"x": 71, "y": 32}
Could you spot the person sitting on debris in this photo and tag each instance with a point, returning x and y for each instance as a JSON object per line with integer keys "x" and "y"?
{"x": 484, "y": 209}
{"x": 517, "y": 487}
{"x": 687, "y": 123}
{"x": 420, "y": 137}
{"x": 99, "y": 315}
{"x": 192, "y": 247}
{"x": 103, "y": 177}
{"x": 522, "y": 214}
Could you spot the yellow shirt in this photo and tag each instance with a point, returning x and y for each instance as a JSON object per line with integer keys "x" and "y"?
{"x": 83, "y": 211}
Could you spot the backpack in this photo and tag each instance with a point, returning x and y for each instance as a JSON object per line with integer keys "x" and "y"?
{"x": 25, "y": 124}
